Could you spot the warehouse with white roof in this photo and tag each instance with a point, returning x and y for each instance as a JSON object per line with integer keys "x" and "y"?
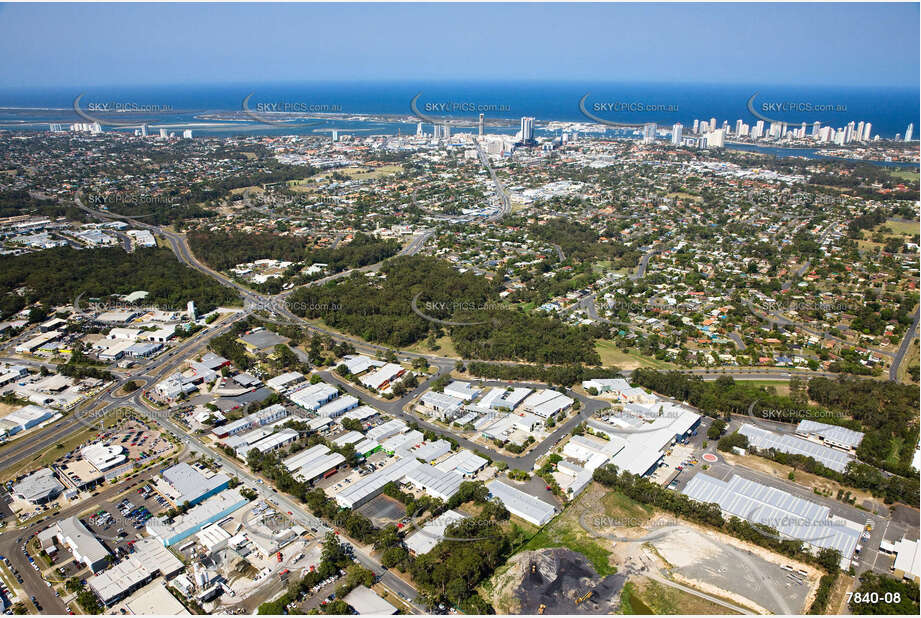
{"x": 464, "y": 462}
{"x": 433, "y": 481}
{"x": 442, "y": 405}
{"x": 385, "y": 430}
{"x": 464, "y": 391}
{"x": 546, "y": 403}
{"x": 314, "y": 396}
{"x": 527, "y": 507}
{"x": 338, "y": 406}
{"x": 763, "y": 439}
{"x": 426, "y": 538}
{"x": 832, "y": 435}
{"x": 792, "y": 517}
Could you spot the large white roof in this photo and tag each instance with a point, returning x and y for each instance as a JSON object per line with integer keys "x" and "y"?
{"x": 789, "y": 515}
{"x": 763, "y": 439}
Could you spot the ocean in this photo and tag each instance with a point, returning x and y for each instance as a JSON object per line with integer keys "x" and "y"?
{"x": 889, "y": 110}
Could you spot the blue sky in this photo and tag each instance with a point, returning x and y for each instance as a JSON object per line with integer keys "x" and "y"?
{"x": 105, "y": 44}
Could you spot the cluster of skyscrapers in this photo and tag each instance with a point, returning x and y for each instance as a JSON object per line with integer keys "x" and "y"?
{"x": 706, "y": 134}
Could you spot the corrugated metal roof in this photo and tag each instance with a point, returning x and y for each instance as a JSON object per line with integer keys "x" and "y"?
{"x": 764, "y": 439}
{"x": 831, "y": 433}
{"x": 790, "y": 516}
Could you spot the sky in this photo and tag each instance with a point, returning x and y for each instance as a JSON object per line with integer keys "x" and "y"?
{"x": 65, "y": 45}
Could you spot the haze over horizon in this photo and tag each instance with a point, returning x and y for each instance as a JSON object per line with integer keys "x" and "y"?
{"x": 850, "y": 44}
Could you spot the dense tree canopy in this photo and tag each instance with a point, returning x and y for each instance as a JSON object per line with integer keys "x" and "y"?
{"x": 57, "y": 276}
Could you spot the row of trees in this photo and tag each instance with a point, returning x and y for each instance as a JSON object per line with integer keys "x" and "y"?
{"x": 564, "y": 375}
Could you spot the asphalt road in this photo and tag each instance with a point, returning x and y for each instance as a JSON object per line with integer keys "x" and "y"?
{"x": 525, "y": 461}
{"x": 903, "y": 348}
{"x": 11, "y": 545}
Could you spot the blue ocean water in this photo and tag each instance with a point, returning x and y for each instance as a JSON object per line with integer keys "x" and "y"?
{"x": 889, "y": 110}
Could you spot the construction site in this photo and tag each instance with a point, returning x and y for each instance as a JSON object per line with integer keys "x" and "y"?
{"x": 607, "y": 553}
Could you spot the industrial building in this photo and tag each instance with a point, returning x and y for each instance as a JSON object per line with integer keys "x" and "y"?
{"x": 464, "y": 391}
{"x": 367, "y": 446}
{"x": 521, "y": 504}
{"x": 440, "y": 405}
{"x": 402, "y": 441}
{"x": 338, "y": 406}
{"x": 30, "y": 346}
{"x": 357, "y": 364}
{"x": 155, "y": 599}
{"x": 285, "y": 381}
{"x": 431, "y": 534}
{"x": 385, "y": 430}
{"x": 464, "y": 462}
{"x": 149, "y": 560}
{"x": 261, "y": 418}
{"x": 546, "y": 403}
{"x": 314, "y": 462}
{"x": 85, "y": 547}
{"x": 435, "y": 482}
{"x": 274, "y": 441}
{"x": 211, "y": 510}
{"x": 763, "y": 439}
{"x": 25, "y": 418}
{"x": 382, "y": 379}
{"x": 775, "y": 509}
{"x": 365, "y": 601}
{"x": 314, "y": 396}
{"x": 183, "y": 484}
{"x": 39, "y": 487}
{"x": 907, "y": 563}
{"x": 645, "y": 438}
{"x": 831, "y": 435}
{"x": 351, "y": 437}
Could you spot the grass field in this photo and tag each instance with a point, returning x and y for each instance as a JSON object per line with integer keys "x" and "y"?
{"x": 643, "y": 596}
{"x": 445, "y": 347}
{"x": 685, "y": 196}
{"x": 612, "y": 356}
{"x": 355, "y": 172}
{"x": 781, "y": 387}
{"x": 908, "y": 175}
{"x": 903, "y": 228}
{"x": 618, "y": 506}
